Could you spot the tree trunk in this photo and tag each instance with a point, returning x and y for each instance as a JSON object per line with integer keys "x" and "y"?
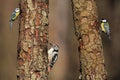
{"x": 33, "y": 39}
{"x": 92, "y": 65}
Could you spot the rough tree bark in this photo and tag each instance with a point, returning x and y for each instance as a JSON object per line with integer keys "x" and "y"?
{"x": 33, "y": 39}
{"x": 92, "y": 65}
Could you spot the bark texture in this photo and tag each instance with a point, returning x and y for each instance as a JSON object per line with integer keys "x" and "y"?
{"x": 33, "y": 39}
{"x": 92, "y": 65}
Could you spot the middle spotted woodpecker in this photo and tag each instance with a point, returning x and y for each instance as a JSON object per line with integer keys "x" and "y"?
{"x": 52, "y": 55}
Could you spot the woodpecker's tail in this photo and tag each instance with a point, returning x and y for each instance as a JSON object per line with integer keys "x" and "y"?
{"x": 51, "y": 64}
{"x": 11, "y": 24}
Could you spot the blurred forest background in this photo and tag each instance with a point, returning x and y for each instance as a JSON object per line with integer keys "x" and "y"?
{"x": 61, "y": 31}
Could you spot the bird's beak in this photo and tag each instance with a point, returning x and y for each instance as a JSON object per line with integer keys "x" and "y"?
{"x": 101, "y": 20}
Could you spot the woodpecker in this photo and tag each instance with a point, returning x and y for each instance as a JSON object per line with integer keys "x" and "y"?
{"x": 52, "y": 55}
{"x": 14, "y": 16}
{"x": 105, "y": 28}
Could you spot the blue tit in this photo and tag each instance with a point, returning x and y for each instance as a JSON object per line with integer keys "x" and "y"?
{"x": 105, "y": 27}
{"x": 14, "y": 16}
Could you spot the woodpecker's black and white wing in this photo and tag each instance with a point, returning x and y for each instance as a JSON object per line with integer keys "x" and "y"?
{"x": 53, "y": 61}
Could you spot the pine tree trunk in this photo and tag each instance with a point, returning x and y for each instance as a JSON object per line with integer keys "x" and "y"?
{"x": 33, "y": 39}
{"x": 92, "y": 65}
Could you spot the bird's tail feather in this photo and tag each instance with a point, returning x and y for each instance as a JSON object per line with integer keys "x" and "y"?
{"x": 109, "y": 37}
{"x": 11, "y": 24}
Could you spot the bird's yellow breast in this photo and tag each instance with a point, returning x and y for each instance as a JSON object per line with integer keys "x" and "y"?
{"x": 102, "y": 27}
{"x": 16, "y": 15}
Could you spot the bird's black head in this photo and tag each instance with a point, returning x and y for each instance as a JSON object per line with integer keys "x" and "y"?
{"x": 103, "y": 20}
